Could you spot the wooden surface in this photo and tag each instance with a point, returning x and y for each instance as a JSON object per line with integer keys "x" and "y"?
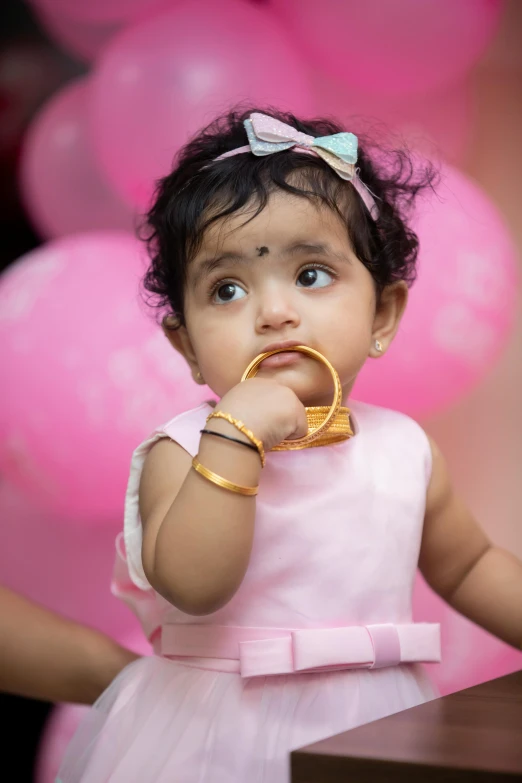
{"x": 473, "y": 735}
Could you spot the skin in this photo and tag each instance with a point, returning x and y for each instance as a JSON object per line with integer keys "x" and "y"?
{"x": 309, "y": 286}
{"x": 44, "y": 656}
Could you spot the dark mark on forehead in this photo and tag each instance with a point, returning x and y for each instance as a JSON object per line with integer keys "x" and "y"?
{"x": 262, "y": 251}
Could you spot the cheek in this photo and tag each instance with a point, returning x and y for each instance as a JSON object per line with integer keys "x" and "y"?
{"x": 347, "y": 325}
{"x": 351, "y": 314}
{"x": 219, "y": 348}
{"x": 219, "y": 336}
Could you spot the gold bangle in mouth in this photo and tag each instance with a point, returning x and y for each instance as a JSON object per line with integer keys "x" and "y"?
{"x": 317, "y": 424}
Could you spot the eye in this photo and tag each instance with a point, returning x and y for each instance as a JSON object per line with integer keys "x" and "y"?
{"x": 228, "y": 292}
{"x": 314, "y": 278}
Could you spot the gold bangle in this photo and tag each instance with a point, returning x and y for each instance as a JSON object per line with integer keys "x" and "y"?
{"x": 340, "y": 429}
{"x": 220, "y": 481}
{"x": 241, "y": 427}
{"x": 324, "y": 426}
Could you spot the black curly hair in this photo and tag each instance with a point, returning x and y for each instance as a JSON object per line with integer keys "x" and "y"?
{"x": 200, "y": 191}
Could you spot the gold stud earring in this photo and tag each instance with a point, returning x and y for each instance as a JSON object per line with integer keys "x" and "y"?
{"x": 378, "y": 346}
{"x": 199, "y": 377}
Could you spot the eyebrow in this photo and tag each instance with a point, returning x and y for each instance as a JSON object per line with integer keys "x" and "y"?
{"x": 320, "y": 248}
{"x": 209, "y": 265}
{"x": 205, "y": 268}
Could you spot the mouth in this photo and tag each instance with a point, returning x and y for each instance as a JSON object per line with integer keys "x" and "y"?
{"x": 285, "y": 358}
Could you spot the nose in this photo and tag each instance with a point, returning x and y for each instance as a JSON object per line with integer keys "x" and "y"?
{"x": 276, "y": 311}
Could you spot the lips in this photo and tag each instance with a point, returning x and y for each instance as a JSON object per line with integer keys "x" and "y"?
{"x": 284, "y": 359}
{"x": 282, "y": 345}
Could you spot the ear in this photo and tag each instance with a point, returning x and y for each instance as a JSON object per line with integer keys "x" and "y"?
{"x": 179, "y": 339}
{"x": 388, "y": 314}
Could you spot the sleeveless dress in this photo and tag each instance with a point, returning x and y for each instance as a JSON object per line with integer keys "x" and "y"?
{"x": 317, "y": 640}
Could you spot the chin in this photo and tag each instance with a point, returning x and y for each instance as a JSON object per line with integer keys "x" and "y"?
{"x": 309, "y": 393}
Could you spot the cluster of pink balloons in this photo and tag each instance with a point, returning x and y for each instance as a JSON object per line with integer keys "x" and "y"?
{"x": 147, "y": 96}
{"x": 393, "y": 48}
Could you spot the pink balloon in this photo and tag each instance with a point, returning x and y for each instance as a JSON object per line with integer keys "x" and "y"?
{"x": 62, "y": 566}
{"x": 149, "y": 95}
{"x": 461, "y": 309}
{"x": 438, "y": 125}
{"x": 470, "y": 655}
{"x": 84, "y": 29}
{"x": 87, "y": 374}
{"x": 63, "y": 722}
{"x": 403, "y": 46}
{"x": 82, "y": 39}
{"x": 62, "y": 186}
{"x": 98, "y": 11}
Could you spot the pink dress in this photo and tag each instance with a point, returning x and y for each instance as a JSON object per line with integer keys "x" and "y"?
{"x": 318, "y": 639}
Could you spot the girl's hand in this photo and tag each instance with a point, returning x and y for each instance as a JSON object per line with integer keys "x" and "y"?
{"x": 273, "y": 412}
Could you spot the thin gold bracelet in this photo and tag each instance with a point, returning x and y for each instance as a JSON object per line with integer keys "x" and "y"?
{"x": 220, "y": 481}
{"x": 242, "y": 428}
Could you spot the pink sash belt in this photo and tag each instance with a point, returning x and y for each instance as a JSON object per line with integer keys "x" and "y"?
{"x": 267, "y": 651}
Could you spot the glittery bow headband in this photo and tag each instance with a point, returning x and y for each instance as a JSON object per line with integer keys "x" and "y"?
{"x": 267, "y": 135}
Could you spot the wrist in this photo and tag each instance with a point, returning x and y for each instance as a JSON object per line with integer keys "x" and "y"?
{"x": 239, "y": 425}
{"x": 224, "y": 427}
{"x": 231, "y": 461}
{"x": 253, "y": 419}
{"x": 104, "y": 659}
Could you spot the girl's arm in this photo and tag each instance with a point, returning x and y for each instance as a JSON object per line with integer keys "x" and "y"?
{"x": 197, "y": 537}
{"x": 458, "y": 561}
{"x": 45, "y": 656}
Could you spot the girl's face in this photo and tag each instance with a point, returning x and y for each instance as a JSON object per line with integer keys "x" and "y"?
{"x": 288, "y": 275}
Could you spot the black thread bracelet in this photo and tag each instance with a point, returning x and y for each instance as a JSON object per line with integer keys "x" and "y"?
{"x": 228, "y": 437}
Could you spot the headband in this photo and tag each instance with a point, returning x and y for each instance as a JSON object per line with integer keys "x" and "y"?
{"x": 267, "y": 135}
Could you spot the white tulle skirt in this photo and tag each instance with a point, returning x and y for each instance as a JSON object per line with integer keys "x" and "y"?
{"x": 162, "y": 721}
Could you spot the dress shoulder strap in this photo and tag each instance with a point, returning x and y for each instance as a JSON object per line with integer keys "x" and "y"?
{"x": 184, "y": 430}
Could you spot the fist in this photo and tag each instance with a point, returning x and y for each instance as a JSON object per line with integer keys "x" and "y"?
{"x": 273, "y": 412}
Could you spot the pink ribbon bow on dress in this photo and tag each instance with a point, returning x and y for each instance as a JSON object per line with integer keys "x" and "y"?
{"x": 266, "y": 135}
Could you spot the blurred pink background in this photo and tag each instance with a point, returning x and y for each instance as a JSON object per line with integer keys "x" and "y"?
{"x": 481, "y": 435}
{"x": 470, "y": 120}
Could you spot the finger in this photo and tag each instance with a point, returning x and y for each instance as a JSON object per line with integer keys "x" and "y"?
{"x": 301, "y": 428}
